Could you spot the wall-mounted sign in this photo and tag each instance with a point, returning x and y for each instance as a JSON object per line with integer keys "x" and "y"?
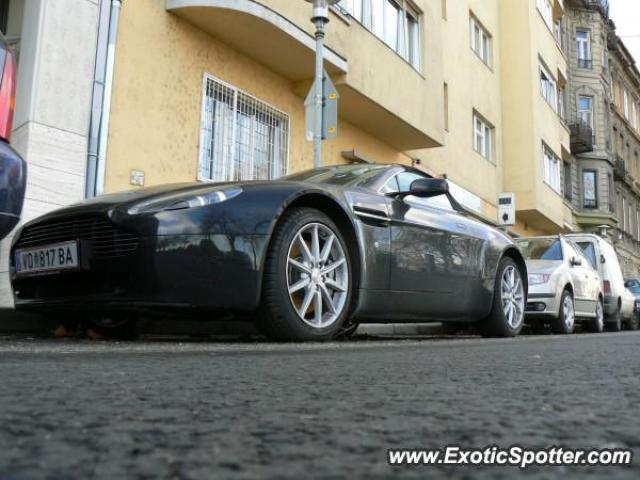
{"x": 136, "y": 177}
{"x": 507, "y": 209}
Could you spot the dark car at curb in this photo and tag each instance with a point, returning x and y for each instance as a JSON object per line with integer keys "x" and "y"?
{"x": 308, "y": 256}
{"x": 13, "y": 169}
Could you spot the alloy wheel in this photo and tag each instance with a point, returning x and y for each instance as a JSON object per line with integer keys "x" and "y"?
{"x": 568, "y": 312}
{"x": 512, "y": 294}
{"x": 599, "y": 316}
{"x": 317, "y": 275}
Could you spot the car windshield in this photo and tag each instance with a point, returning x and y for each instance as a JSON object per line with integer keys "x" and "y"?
{"x": 541, "y": 248}
{"x": 354, "y": 175}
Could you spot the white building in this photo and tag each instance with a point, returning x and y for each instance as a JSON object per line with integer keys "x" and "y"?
{"x": 56, "y": 45}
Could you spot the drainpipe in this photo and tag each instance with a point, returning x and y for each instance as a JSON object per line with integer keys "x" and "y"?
{"x": 108, "y": 17}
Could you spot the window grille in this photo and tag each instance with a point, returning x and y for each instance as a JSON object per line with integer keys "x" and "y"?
{"x": 242, "y": 138}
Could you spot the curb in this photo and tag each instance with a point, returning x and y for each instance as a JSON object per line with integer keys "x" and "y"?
{"x": 399, "y": 329}
{"x": 12, "y": 321}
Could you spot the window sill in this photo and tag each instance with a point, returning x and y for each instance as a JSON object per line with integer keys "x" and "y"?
{"x": 490, "y": 160}
{"x": 413, "y": 67}
{"x": 488, "y": 65}
{"x": 553, "y": 189}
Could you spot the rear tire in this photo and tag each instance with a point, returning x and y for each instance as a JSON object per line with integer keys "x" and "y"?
{"x": 308, "y": 280}
{"x": 509, "y": 299}
{"x": 565, "y": 322}
{"x": 596, "y": 325}
{"x": 634, "y": 322}
{"x": 613, "y": 322}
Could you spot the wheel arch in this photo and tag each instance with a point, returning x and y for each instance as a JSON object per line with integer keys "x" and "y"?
{"x": 514, "y": 254}
{"x": 569, "y": 286}
{"x": 331, "y": 207}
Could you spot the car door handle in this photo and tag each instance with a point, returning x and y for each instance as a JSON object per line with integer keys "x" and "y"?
{"x": 461, "y": 226}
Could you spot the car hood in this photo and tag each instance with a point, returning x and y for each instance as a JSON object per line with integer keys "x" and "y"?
{"x": 113, "y": 203}
{"x": 543, "y": 266}
{"x": 108, "y": 202}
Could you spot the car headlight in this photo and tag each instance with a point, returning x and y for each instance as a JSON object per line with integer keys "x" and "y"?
{"x": 181, "y": 201}
{"x": 538, "y": 278}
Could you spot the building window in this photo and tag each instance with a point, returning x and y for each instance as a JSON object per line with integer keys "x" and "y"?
{"x": 585, "y": 109}
{"x": 634, "y": 114}
{"x": 242, "y": 138}
{"x": 561, "y": 102}
{"x": 625, "y": 103}
{"x": 567, "y": 187}
{"x": 612, "y": 206}
{"x": 482, "y": 136}
{"x": 589, "y": 189}
{"x": 624, "y": 214}
{"x": 583, "y": 41}
{"x": 395, "y": 22}
{"x": 480, "y": 40}
{"x": 557, "y": 31}
{"x": 551, "y": 168}
{"x": 545, "y": 7}
{"x": 603, "y": 52}
{"x": 548, "y": 87}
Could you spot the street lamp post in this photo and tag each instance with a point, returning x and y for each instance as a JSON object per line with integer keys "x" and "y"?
{"x": 320, "y": 18}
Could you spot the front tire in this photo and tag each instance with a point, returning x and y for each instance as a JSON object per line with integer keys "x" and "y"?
{"x": 566, "y": 320}
{"x": 308, "y": 281}
{"x": 120, "y": 326}
{"x": 507, "y": 313}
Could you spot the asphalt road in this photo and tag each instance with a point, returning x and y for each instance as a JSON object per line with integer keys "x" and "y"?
{"x": 176, "y": 409}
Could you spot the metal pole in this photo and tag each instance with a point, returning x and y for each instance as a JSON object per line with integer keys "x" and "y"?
{"x": 317, "y": 134}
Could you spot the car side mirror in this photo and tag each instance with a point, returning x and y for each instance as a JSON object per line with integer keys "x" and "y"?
{"x": 575, "y": 262}
{"x": 602, "y": 259}
{"x": 428, "y": 187}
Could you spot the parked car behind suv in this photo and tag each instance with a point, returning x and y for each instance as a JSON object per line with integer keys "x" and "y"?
{"x": 13, "y": 169}
{"x": 563, "y": 286}
{"x": 633, "y": 285}
{"x": 618, "y": 301}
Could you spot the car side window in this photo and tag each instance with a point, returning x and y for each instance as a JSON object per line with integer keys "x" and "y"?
{"x": 571, "y": 252}
{"x": 405, "y": 179}
{"x": 391, "y": 186}
{"x": 586, "y": 261}
{"x": 590, "y": 252}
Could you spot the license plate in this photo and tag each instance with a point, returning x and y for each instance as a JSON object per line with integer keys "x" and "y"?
{"x": 62, "y": 256}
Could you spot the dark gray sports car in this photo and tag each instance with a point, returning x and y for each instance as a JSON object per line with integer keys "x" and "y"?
{"x": 314, "y": 253}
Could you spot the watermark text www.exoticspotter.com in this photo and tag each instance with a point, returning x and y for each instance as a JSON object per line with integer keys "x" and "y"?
{"x": 515, "y": 455}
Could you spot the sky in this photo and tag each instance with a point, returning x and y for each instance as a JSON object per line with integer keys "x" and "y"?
{"x": 626, "y": 15}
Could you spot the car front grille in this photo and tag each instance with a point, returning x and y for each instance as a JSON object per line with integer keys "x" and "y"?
{"x": 106, "y": 240}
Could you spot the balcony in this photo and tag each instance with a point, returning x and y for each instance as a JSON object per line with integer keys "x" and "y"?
{"x": 585, "y": 63}
{"x": 581, "y": 138}
{"x": 601, "y": 5}
{"x": 620, "y": 168}
{"x": 380, "y": 92}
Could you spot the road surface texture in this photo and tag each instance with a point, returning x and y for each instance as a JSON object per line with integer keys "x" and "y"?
{"x": 178, "y": 409}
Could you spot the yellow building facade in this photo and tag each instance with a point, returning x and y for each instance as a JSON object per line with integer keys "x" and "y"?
{"x": 215, "y": 90}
